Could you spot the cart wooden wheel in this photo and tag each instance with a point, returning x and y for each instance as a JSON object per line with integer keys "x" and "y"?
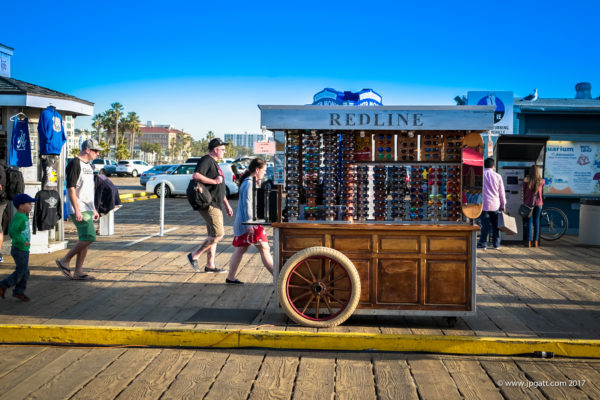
{"x": 319, "y": 287}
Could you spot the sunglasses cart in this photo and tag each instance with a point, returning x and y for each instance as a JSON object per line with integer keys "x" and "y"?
{"x": 377, "y": 208}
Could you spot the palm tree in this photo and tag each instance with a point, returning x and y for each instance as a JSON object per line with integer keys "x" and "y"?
{"x": 97, "y": 123}
{"x": 132, "y": 124}
{"x": 117, "y": 110}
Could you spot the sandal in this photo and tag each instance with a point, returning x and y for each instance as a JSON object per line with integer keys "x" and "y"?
{"x": 64, "y": 270}
{"x": 83, "y": 277}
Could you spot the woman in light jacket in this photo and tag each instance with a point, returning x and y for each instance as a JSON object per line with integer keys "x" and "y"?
{"x": 244, "y": 235}
{"x": 532, "y": 184}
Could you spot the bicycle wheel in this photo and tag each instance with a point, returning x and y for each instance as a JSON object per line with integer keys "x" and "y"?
{"x": 553, "y": 223}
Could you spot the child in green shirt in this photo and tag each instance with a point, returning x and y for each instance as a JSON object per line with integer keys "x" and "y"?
{"x": 20, "y": 234}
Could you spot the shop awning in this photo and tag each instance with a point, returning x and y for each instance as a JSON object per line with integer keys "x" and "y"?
{"x": 16, "y": 93}
{"x": 514, "y": 148}
{"x": 472, "y": 157}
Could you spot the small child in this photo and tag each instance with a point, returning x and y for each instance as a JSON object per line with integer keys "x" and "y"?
{"x": 21, "y": 235}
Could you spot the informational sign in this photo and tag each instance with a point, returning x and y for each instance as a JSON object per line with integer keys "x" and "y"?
{"x": 264, "y": 147}
{"x": 503, "y": 114}
{"x": 572, "y": 168}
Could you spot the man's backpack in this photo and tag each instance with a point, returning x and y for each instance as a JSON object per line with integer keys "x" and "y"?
{"x": 198, "y": 195}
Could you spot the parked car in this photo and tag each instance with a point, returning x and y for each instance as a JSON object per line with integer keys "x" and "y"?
{"x": 156, "y": 170}
{"x": 104, "y": 166}
{"x": 132, "y": 167}
{"x": 177, "y": 181}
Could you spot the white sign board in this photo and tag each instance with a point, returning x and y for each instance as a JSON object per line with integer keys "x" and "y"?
{"x": 503, "y": 113}
{"x": 264, "y": 147}
{"x": 572, "y": 168}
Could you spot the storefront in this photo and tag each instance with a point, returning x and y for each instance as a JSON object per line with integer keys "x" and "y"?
{"x": 23, "y": 103}
{"x": 572, "y": 156}
{"x": 377, "y": 209}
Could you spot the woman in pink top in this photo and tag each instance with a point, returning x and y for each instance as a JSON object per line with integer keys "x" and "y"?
{"x": 533, "y": 184}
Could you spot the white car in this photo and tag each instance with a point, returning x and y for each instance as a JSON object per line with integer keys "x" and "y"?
{"x": 132, "y": 167}
{"x": 177, "y": 181}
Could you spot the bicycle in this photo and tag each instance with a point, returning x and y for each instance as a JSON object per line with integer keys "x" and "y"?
{"x": 553, "y": 223}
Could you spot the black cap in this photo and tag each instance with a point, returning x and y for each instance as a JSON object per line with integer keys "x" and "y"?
{"x": 215, "y": 143}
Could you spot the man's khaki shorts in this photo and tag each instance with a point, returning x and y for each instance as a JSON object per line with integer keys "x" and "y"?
{"x": 214, "y": 221}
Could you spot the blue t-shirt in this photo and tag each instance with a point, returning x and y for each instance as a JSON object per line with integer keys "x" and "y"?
{"x": 20, "y": 146}
{"x": 51, "y": 132}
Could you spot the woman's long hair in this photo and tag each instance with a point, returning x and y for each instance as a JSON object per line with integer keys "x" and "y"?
{"x": 535, "y": 178}
{"x": 255, "y": 164}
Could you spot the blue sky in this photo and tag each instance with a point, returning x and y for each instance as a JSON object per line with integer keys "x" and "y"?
{"x": 204, "y": 66}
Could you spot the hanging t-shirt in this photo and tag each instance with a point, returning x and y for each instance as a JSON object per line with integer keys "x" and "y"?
{"x": 20, "y": 145}
{"x": 80, "y": 176}
{"x": 51, "y": 132}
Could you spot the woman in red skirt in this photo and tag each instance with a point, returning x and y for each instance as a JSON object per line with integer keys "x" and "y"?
{"x": 245, "y": 235}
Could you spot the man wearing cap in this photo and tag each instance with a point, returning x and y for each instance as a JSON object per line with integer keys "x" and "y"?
{"x": 209, "y": 173}
{"x": 80, "y": 189}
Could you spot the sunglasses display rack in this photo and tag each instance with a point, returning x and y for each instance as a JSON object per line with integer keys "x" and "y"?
{"x": 384, "y": 147}
{"x": 311, "y": 161}
{"x": 452, "y": 147}
{"x": 407, "y": 147}
{"x": 292, "y": 156}
{"x": 364, "y": 192}
{"x": 380, "y": 190}
{"x": 326, "y": 180}
{"x": 348, "y": 175}
{"x": 330, "y": 176}
{"x": 431, "y": 148}
{"x": 399, "y": 191}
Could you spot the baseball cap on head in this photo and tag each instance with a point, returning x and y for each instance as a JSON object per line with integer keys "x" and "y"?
{"x": 22, "y": 198}
{"x": 216, "y": 142}
{"x": 90, "y": 144}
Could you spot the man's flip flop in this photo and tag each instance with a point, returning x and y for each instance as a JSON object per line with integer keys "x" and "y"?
{"x": 65, "y": 271}
{"x": 84, "y": 277}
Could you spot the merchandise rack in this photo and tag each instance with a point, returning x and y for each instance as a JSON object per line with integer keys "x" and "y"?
{"x": 330, "y": 260}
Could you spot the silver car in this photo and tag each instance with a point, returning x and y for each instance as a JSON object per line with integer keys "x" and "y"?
{"x": 177, "y": 181}
{"x": 156, "y": 170}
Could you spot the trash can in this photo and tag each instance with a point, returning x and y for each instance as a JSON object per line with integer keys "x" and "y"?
{"x": 589, "y": 222}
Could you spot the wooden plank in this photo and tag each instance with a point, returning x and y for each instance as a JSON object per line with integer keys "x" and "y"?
{"x": 316, "y": 376}
{"x": 276, "y": 377}
{"x": 114, "y": 378}
{"x": 158, "y": 375}
{"x": 502, "y": 372}
{"x": 237, "y": 376}
{"x": 354, "y": 377}
{"x": 66, "y": 383}
{"x": 14, "y": 356}
{"x": 550, "y": 380}
{"x": 393, "y": 380}
{"x": 583, "y": 374}
{"x": 37, "y": 372}
{"x": 433, "y": 379}
{"x": 196, "y": 378}
{"x": 471, "y": 380}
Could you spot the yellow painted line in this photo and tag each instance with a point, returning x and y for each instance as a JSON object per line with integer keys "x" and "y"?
{"x": 126, "y": 196}
{"x": 116, "y": 336}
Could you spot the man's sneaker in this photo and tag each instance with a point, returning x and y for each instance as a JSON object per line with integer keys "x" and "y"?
{"x": 233, "y": 282}
{"x": 214, "y": 270}
{"x": 21, "y": 297}
{"x": 193, "y": 263}
{"x": 1, "y": 258}
{"x": 481, "y": 246}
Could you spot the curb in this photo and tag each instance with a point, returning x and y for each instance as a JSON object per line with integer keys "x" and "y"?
{"x": 244, "y": 338}
{"x": 131, "y": 197}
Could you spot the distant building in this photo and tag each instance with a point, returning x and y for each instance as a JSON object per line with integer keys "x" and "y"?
{"x": 74, "y": 136}
{"x": 246, "y": 139}
{"x": 161, "y": 134}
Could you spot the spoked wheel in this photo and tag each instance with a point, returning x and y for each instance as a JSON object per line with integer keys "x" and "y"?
{"x": 553, "y": 223}
{"x": 319, "y": 287}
